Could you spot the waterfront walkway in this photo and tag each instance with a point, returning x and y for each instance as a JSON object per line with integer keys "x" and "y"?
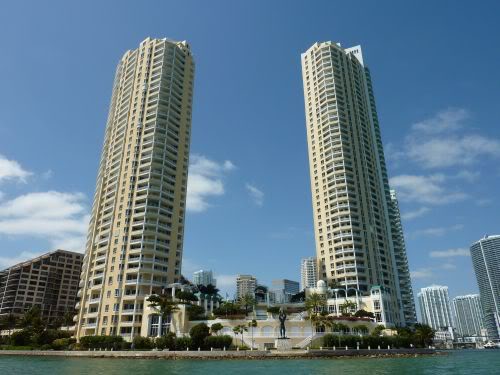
{"x": 230, "y": 354}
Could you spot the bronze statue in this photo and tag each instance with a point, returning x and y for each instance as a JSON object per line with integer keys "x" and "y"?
{"x": 282, "y": 318}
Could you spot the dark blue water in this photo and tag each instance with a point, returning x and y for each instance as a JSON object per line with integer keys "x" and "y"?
{"x": 458, "y": 362}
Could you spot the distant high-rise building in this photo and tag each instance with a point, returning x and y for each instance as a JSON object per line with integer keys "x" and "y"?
{"x": 203, "y": 277}
{"x": 49, "y": 281}
{"x": 245, "y": 284}
{"x": 284, "y": 289}
{"x": 468, "y": 315}
{"x": 136, "y": 230}
{"x": 398, "y": 239}
{"x": 485, "y": 255}
{"x": 349, "y": 183}
{"x": 308, "y": 272}
{"x": 435, "y": 307}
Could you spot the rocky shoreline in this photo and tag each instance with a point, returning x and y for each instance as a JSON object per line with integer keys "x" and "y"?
{"x": 221, "y": 355}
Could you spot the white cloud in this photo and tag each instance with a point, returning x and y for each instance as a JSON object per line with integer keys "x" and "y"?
{"x": 410, "y": 215}
{"x": 60, "y": 218}
{"x": 452, "y": 151}
{"x": 483, "y": 202}
{"x": 256, "y": 194}
{"x": 425, "y": 189}
{"x": 422, "y": 273}
{"x": 435, "y": 231}
{"x": 443, "y": 141}
{"x": 450, "y": 253}
{"x": 205, "y": 181}
{"x": 468, "y": 176}
{"x": 48, "y": 174}
{"x": 18, "y": 258}
{"x": 12, "y": 170}
{"x": 450, "y": 119}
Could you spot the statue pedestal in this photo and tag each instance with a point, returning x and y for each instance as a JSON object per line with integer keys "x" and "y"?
{"x": 283, "y": 344}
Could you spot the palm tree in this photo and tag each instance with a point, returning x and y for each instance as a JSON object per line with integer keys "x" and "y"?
{"x": 346, "y": 307}
{"x": 240, "y": 329}
{"x": 164, "y": 306}
{"x": 32, "y": 319}
{"x": 247, "y": 301}
{"x": 424, "y": 334}
{"x": 315, "y": 304}
{"x": 252, "y": 324}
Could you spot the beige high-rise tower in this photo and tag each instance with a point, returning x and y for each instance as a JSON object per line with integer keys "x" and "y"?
{"x": 350, "y": 189}
{"x": 135, "y": 238}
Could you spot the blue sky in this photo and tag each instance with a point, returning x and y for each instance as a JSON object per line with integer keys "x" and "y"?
{"x": 435, "y": 71}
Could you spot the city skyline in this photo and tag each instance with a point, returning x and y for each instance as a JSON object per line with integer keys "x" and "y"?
{"x": 42, "y": 171}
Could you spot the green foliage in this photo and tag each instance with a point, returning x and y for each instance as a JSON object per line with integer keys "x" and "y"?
{"x": 166, "y": 342}
{"x": 185, "y": 297}
{"x": 195, "y": 312}
{"x": 63, "y": 344}
{"x": 101, "y": 342}
{"x": 228, "y": 309}
{"x": 378, "y": 330}
{"x": 315, "y": 303}
{"x": 198, "y": 334}
{"x": 21, "y": 338}
{"x": 182, "y": 343}
{"x": 216, "y": 328}
{"x": 364, "y": 314}
{"x": 273, "y": 309}
{"x": 247, "y": 302}
{"x": 218, "y": 342}
{"x": 423, "y": 334}
{"x": 299, "y": 297}
{"x": 364, "y": 342}
{"x": 163, "y": 305}
{"x": 141, "y": 342}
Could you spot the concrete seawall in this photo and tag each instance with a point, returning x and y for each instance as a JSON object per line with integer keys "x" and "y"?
{"x": 243, "y": 354}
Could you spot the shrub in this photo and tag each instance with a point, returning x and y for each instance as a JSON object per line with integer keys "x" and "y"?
{"x": 218, "y": 342}
{"x": 182, "y": 343}
{"x": 21, "y": 338}
{"x": 143, "y": 342}
{"x": 101, "y": 342}
{"x": 166, "y": 342}
{"x": 198, "y": 333}
{"x": 195, "y": 312}
{"x": 63, "y": 344}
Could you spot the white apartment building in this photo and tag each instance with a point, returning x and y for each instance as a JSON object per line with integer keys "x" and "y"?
{"x": 435, "y": 307}
{"x": 352, "y": 209}
{"x": 308, "y": 272}
{"x": 468, "y": 315}
{"x": 203, "y": 277}
{"x": 245, "y": 284}
{"x": 135, "y": 238}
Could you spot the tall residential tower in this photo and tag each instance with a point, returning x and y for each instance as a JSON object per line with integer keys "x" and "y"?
{"x": 349, "y": 183}
{"x": 468, "y": 315}
{"x": 135, "y": 238}
{"x": 485, "y": 255}
{"x": 435, "y": 307}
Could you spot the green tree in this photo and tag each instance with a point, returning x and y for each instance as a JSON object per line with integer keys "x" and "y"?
{"x": 240, "y": 329}
{"x": 216, "y": 328}
{"x": 346, "y": 307}
{"x": 185, "y": 297}
{"x": 377, "y": 331}
{"x": 164, "y": 306}
{"x": 424, "y": 334}
{"x": 247, "y": 302}
{"x": 364, "y": 314}
{"x": 315, "y": 305}
{"x": 252, "y": 324}
{"x": 198, "y": 333}
{"x": 8, "y": 322}
{"x": 32, "y": 320}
